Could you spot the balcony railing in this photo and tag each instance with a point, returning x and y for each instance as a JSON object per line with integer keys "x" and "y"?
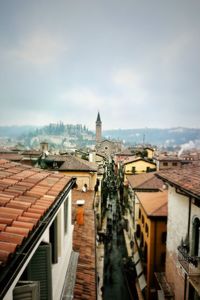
{"x": 191, "y": 264}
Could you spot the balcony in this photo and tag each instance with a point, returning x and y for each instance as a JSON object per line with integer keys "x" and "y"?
{"x": 191, "y": 264}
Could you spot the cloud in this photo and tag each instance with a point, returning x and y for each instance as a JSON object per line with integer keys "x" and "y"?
{"x": 39, "y": 49}
{"x": 131, "y": 85}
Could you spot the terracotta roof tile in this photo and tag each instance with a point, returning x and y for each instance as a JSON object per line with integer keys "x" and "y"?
{"x": 4, "y": 255}
{"x": 7, "y": 221}
{"x": 2, "y": 227}
{"x": 11, "y": 238}
{"x": 186, "y": 178}
{"x": 75, "y": 163}
{"x": 154, "y": 203}
{"x": 84, "y": 243}
{"x": 145, "y": 181}
{"x": 18, "y": 204}
{"x": 27, "y": 219}
{"x": 8, "y": 247}
{"x": 24, "y": 199}
{"x": 23, "y": 224}
{"x": 18, "y": 230}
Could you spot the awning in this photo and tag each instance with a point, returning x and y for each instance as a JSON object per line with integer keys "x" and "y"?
{"x": 136, "y": 257}
{"x": 142, "y": 281}
{"x": 139, "y": 268}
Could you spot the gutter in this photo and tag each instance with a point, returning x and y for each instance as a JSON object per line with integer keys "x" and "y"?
{"x": 186, "y": 192}
{"x": 11, "y": 270}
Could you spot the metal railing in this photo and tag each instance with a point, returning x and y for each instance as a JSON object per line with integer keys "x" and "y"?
{"x": 190, "y": 263}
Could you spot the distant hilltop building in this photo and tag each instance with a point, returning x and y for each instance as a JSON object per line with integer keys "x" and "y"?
{"x": 105, "y": 146}
{"x": 98, "y": 128}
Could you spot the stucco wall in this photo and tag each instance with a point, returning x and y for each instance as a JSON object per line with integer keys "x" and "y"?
{"x": 65, "y": 248}
{"x": 83, "y": 177}
{"x": 140, "y": 166}
{"x": 176, "y": 230}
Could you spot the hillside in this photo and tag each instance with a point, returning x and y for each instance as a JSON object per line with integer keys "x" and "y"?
{"x": 164, "y": 137}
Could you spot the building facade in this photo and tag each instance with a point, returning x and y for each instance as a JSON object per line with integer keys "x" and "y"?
{"x": 36, "y": 232}
{"x": 183, "y": 232}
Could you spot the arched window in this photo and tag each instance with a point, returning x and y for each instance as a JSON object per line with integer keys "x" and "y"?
{"x": 196, "y": 237}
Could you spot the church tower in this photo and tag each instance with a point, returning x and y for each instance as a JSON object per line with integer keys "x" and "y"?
{"x": 98, "y": 128}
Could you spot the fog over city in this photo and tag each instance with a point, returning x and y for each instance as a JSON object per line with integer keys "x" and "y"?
{"x": 137, "y": 62}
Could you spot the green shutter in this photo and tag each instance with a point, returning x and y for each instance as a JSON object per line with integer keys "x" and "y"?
{"x": 27, "y": 290}
{"x": 39, "y": 269}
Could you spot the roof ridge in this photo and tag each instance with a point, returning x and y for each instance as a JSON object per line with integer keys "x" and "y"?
{"x": 154, "y": 211}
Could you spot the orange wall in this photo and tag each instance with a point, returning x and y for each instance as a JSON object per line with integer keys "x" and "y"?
{"x": 155, "y": 247}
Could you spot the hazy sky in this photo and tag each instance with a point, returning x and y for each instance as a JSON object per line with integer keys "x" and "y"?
{"x": 135, "y": 61}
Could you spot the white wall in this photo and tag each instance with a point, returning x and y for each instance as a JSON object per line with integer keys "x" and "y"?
{"x": 65, "y": 248}
{"x": 177, "y": 219}
{"x": 64, "y": 251}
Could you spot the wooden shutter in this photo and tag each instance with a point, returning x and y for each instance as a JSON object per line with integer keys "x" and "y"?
{"x": 27, "y": 290}
{"x": 39, "y": 269}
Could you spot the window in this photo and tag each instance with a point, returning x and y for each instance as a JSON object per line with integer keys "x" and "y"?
{"x": 133, "y": 170}
{"x": 164, "y": 237}
{"x": 139, "y": 213}
{"x": 174, "y": 164}
{"x": 138, "y": 231}
{"x": 39, "y": 269}
{"x": 65, "y": 215}
{"x": 143, "y": 220}
{"x": 162, "y": 258}
{"x": 165, "y": 164}
{"x": 196, "y": 237}
{"x": 147, "y": 229}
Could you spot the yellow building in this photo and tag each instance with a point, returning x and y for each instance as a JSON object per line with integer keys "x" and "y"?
{"x": 138, "y": 165}
{"x": 150, "y": 152}
{"x": 83, "y": 170}
{"x": 150, "y": 240}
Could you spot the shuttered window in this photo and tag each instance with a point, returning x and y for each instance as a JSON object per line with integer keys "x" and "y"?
{"x": 27, "y": 290}
{"x": 39, "y": 269}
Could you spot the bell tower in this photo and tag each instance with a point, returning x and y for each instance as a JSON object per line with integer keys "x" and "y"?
{"x": 98, "y": 128}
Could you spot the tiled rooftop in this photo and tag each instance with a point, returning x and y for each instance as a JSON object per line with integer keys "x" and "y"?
{"x": 154, "y": 203}
{"x": 25, "y": 196}
{"x": 186, "y": 178}
{"x": 145, "y": 181}
{"x": 73, "y": 163}
{"x": 11, "y": 156}
{"x": 84, "y": 243}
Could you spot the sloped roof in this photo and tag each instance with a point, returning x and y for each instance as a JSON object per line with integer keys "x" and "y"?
{"x": 154, "y": 203}
{"x": 32, "y": 152}
{"x": 84, "y": 243}
{"x": 73, "y": 163}
{"x": 145, "y": 181}
{"x": 55, "y": 158}
{"x": 11, "y": 156}
{"x": 168, "y": 158}
{"x": 135, "y": 159}
{"x": 98, "y": 118}
{"x": 186, "y": 178}
{"x": 125, "y": 152}
{"x": 26, "y": 194}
